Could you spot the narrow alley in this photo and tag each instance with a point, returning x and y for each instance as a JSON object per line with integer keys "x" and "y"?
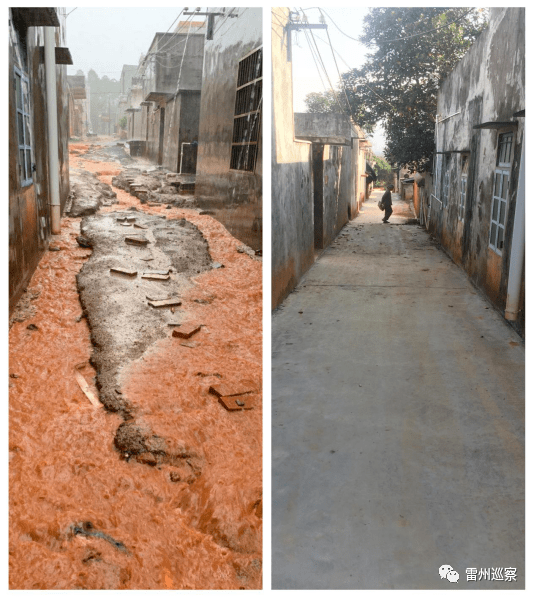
{"x": 157, "y": 483}
{"x": 397, "y": 418}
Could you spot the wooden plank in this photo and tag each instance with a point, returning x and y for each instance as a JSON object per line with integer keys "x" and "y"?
{"x": 87, "y": 390}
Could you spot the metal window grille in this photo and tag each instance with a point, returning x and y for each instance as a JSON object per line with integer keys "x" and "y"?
{"x": 501, "y": 184}
{"x": 446, "y": 181}
{"x": 247, "y": 113}
{"x": 504, "y": 150}
{"x": 22, "y": 101}
{"x": 437, "y": 178}
{"x": 498, "y": 209}
{"x": 461, "y": 207}
{"x": 463, "y": 188}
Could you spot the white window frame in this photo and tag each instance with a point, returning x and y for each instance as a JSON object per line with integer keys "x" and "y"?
{"x": 498, "y": 215}
{"x": 24, "y": 142}
{"x": 463, "y": 187}
{"x": 499, "y": 202}
{"x": 446, "y": 182}
{"x": 463, "y": 194}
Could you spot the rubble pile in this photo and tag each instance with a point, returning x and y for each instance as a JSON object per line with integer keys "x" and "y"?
{"x": 156, "y": 186}
{"x": 87, "y": 194}
{"x": 108, "y": 153}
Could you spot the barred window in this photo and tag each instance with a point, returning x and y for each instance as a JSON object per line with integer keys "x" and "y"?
{"x": 501, "y": 183}
{"x": 22, "y": 101}
{"x": 247, "y": 113}
{"x": 447, "y": 180}
{"x": 463, "y": 188}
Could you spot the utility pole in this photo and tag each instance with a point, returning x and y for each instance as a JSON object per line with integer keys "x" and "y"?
{"x": 211, "y": 19}
{"x": 296, "y": 24}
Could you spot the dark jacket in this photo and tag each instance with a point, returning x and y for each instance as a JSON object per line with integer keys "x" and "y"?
{"x": 386, "y": 199}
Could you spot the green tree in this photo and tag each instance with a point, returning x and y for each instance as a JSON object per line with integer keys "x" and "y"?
{"x": 319, "y": 103}
{"x": 413, "y": 50}
{"x": 382, "y": 169}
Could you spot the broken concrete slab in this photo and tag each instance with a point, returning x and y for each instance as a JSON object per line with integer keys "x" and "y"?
{"x": 160, "y": 272}
{"x": 165, "y": 302}
{"x": 124, "y": 271}
{"x": 136, "y": 240}
{"x": 122, "y": 324}
{"x": 228, "y": 389}
{"x": 186, "y": 330}
{"x": 152, "y": 276}
{"x": 233, "y": 403}
{"x": 87, "y": 194}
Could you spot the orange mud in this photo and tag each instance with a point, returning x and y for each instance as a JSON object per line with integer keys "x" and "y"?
{"x": 64, "y": 469}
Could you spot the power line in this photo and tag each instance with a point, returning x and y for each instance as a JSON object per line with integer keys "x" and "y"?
{"x": 339, "y": 74}
{"x": 325, "y": 71}
{"x": 399, "y": 39}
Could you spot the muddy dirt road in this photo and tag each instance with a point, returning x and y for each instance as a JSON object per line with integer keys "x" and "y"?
{"x": 163, "y": 494}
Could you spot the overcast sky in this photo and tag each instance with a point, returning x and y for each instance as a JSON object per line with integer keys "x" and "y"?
{"x": 107, "y": 38}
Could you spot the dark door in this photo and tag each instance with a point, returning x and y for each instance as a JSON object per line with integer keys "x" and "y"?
{"x": 318, "y": 206}
{"x": 161, "y": 134}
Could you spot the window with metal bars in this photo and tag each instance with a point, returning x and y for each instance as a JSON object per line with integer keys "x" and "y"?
{"x": 247, "y": 113}
{"x": 501, "y": 184}
{"x": 22, "y": 99}
{"x": 446, "y": 181}
{"x": 463, "y": 188}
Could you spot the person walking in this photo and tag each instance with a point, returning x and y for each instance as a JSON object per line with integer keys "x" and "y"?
{"x": 387, "y": 203}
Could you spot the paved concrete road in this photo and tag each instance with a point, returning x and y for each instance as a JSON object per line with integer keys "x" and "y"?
{"x": 398, "y": 420}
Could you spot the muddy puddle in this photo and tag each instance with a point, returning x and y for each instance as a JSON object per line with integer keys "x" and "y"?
{"x": 84, "y": 512}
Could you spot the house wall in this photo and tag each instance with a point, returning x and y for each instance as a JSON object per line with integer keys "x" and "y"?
{"x": 316, "y": 187}
{"x": 150, "y": 132}
{"x": 488, "y": 85}
{"x": 183, "y": 113}
{"x": 292, "y": 239}
{"x": 29, "y": 225}
{"x": 234, "y": 196}
{"x": 338, "y": 191}
{"x": 165, "y": 66}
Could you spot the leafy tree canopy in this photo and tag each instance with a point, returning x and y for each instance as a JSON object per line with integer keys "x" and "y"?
{"x": 380, "y": 162}
{"x": 320, "y": 103}
{"x": 412, "y": 51}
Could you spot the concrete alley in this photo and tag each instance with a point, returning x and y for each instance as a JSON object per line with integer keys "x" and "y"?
{"x": 397, "y": 418}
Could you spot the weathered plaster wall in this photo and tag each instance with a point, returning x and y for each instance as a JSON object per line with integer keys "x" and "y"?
{"x": 234, "y": 196}
{"x": 337, "y": 190}
{"x": 183, "y": 114}
{"x": 29, "y": 224}
{"x": 323, "y": 128}
{"x": 292, "y": 251}
{"x": 487, "y": 85}
{"x": 152, "y": 131}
